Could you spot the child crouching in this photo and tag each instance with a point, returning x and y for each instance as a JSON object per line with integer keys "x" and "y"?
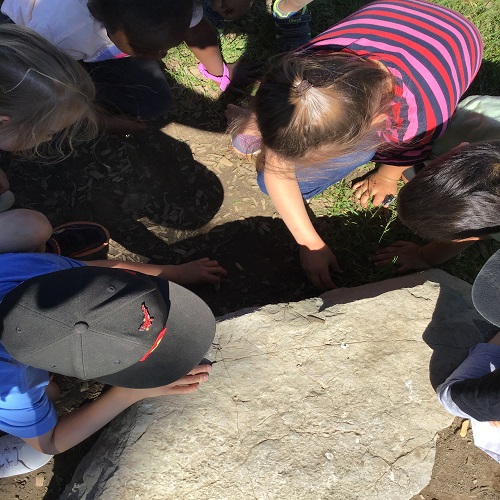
{"x": 141, "y": 334}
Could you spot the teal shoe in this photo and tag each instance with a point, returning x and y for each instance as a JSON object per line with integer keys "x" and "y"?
{"x": 293, "y": 31}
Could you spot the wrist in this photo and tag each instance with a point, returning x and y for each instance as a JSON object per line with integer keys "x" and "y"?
{"x": 127, "y": 396}
{"x": 389, "y": 172}
{"x": 386, "y": 178}
{"x": 312, "y": 244}
{"x": 425, "y": 259}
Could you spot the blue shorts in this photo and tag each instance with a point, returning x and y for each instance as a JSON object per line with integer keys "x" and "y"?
{"x": 314, "y": 180}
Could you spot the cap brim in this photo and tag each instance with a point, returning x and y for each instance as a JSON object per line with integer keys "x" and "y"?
{"x": 190, "y": 331}
{"x": 486, "y": 290}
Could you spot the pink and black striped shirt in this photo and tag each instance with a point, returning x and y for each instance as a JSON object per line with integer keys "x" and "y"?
{"x": 433, "y": 53}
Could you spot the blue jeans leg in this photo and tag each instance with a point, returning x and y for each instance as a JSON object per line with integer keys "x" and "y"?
{"x": 314, "y": 180}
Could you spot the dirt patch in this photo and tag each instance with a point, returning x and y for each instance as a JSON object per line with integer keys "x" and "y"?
{"x": 181, "y": 194}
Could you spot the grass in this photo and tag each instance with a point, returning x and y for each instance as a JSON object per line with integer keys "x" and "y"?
{"x": 352, "y": 232}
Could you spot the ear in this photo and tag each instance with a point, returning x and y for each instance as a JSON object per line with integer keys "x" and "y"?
{"x": 4, "y": 119}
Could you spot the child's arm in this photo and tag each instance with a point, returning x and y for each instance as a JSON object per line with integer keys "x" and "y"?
{"x": 78, "y": 425}
{"x": 316, "y": 258}
{"x": 482, "y": 358}
{"x": 407, "y": 256}
{"x": 199, "y": 271}
{"x": 379, "y": 184}
{"x": 203, "y": 42}
{"x": 287, "y": 6}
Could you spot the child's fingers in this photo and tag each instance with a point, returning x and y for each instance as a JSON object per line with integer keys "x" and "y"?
{"x": 211, "y": 278}
{"x": 205, "y": 368}
{"x": 323, "y": 280}
{"x": 381, "y": 258}
{"x": 378, "y": 198}
{"x": 190, "y": 380}
{"x": 184, "y": 389}
{"x": 364, "y": 198}
{"x": 212, "y": 263}
{"x": 403, "y": 268}
{"x": 400, "y": 243}
{"x": 220, "y": 271}
{"x": 357, "y": 185}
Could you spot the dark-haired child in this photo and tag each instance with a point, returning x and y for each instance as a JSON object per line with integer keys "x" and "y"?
{"x": 380, "y": 85}
{"x": 453, "y": 201}
{"x": 120, "y": 323}
{"x": 467, "y": 176}
{"x": 473, "y": 389}
{"x": 102, "y": 33}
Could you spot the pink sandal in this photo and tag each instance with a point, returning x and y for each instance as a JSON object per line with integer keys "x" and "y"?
{"x": 223, "y": 80}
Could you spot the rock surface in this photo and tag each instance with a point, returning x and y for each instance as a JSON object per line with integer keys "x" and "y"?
{"x": 326, "y": 398}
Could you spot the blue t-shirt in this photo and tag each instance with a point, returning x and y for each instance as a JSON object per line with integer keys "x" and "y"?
{"x": 25, "y": 410}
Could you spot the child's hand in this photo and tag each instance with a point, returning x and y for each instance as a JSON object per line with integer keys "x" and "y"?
{"x": 185, "y": 385}
{"x": 375, "y": 185}
{"x": 199, "y": 271}
{"x": 317, "y": 265}
{"x": 243, "y": 74}
{"x": 406, "y": 256}
{"x": 495, "y": 423}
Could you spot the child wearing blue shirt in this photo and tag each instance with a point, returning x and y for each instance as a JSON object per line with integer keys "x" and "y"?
{"x": 48, "y": 314}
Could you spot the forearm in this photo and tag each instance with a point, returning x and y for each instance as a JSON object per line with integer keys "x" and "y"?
{"x": 285, "y": 193}
{"x": 75, "y": 427}
{"x": 203, "y": 42}
{"x": 439, "y": 251}
{"x": 478, "y": 363}
{"x": 149, "y": 269}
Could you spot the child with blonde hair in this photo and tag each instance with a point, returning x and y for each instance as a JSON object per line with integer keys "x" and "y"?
{"x": 44, "y": 96}
{"x": 380, "y": 85}
{"x": 47, "y": 96}
{"x": 454, "y": 201}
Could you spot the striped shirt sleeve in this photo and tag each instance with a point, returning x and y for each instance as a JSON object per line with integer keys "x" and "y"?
{"x": 433, "y": 54}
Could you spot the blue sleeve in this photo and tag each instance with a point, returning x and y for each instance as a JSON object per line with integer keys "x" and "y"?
{"x": 482, "y": 359}
{"x": 25, "y": 410}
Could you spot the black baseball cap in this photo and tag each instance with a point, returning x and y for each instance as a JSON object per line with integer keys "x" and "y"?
{"x": 120, "y": 327}
{"x": 480, "y": 397}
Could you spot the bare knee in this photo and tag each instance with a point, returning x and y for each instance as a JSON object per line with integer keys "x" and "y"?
{"x": 23, "y": 230}
{"x": 53, "y": 392}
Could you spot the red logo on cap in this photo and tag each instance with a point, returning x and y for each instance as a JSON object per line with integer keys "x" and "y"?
{"x": 147, "y": 320}
{"x": 155, "y": 345}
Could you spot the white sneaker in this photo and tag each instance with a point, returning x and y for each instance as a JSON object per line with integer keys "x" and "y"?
{"x": 17, "y": 457}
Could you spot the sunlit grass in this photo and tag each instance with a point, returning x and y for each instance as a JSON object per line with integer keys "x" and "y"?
{"x": 353, "y": 233}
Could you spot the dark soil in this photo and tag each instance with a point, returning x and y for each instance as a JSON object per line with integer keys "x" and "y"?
{"x": 174, "y": 198}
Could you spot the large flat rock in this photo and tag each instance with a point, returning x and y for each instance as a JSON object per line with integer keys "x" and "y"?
{"x": 327, "y": 398}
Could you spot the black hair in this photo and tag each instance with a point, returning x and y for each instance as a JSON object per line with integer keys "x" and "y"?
{"x": 457, "y": 196}
{"x": 148, "y": 24}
